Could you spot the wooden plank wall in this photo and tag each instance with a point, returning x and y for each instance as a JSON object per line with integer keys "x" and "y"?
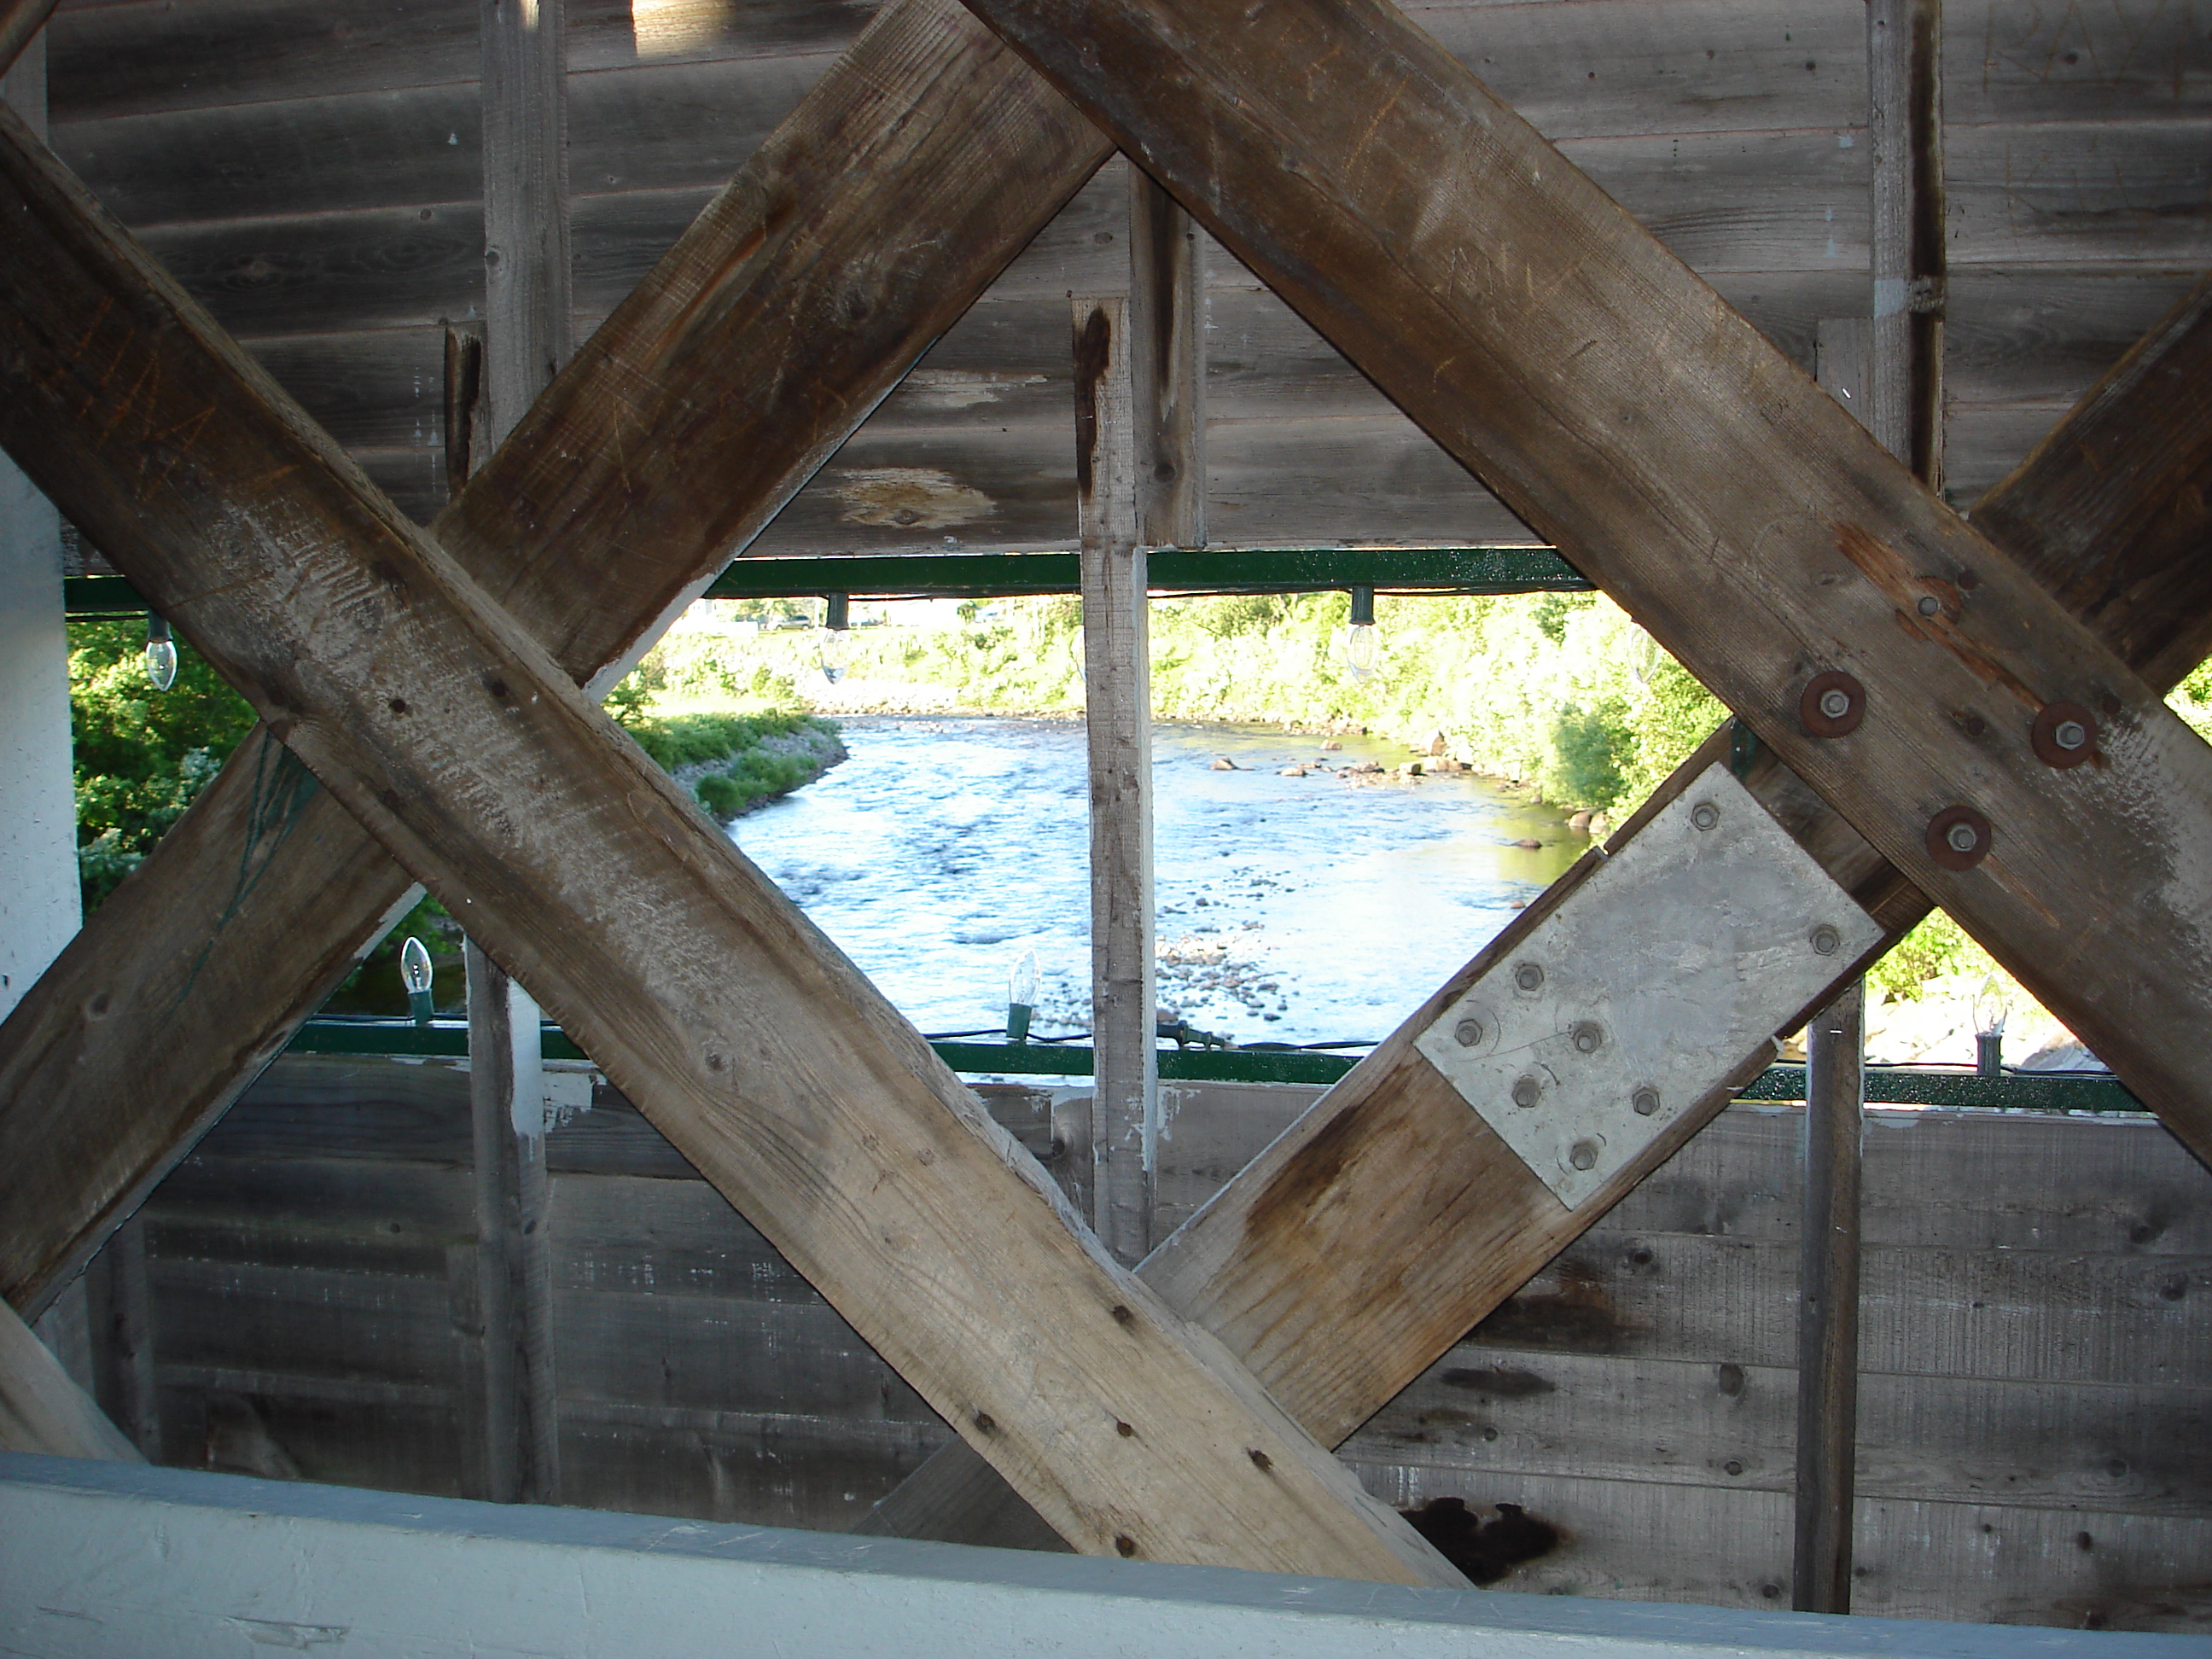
{"x": 2036, "y": 1421}
{"x": 314, "y": 175}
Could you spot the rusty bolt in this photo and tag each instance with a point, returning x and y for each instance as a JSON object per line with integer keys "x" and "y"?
{"x": 1526, "y": 1091}
{"x": 1588, "y": 1036}
{"x": 1826, "y": 940}
{"x": 1528, "y": 976}
{"x": 2064, "y": 735}
{"x": 1959, "y": 838}
{"x": 1930, "y": 605}
{"x": 1832, "y": 705}
{"x": 1645, "y": 1101}
{"x": 1584, "y": 1155}
{"x": 1704, "y": 815}
{"x": 1469, "y": 1031}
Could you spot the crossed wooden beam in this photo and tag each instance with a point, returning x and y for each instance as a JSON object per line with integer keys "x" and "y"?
{"x": 626, "y": 915}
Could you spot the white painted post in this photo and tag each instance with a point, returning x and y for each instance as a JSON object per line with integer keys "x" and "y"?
{"x": 1118, "y": 711}
{"x": 40, "y": 909}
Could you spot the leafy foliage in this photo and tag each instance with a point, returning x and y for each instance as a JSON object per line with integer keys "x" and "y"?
{"x": 141, "y": 755}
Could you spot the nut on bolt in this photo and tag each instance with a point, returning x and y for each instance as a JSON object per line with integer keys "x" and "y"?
{"x": 1959, "y": 838}
{"x": 1832, "y": 705}
{"x": 1528, "y": 976}
{"x": 1587, "y": 1035}
{"x": 1583, "y": 1155}
{"x": 1527, "y": 1091}
{"x": 1704, "y": 815}
{"x": 1468, "y": 1032}
{"x": 1826, "y": 940}
{"x": 2064, "y": 735}
{"x": 1645, "y": 1101}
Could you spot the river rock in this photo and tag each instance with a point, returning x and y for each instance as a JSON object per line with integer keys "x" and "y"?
{"x": 1331, "y": 746}
{"x": 1437, "y": 744}
{"x": 1293, "y": 772}
{"x": 1580, "y": 824}
{"x": 1223, "y": 763}
{"x": 1529, "y": 844}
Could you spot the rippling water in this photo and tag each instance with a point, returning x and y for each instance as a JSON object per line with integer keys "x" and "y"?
{"x": 944, "y": 849}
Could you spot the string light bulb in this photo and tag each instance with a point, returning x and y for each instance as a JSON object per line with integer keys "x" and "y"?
{"x": 160, "y": 652}
{"x": 1022, "y": 984}
{"x": 1359, "y": 636}
{"x": 1992, "y": 1004}
{"x": 415, "y": 974}
{"x": 836, "y": 621}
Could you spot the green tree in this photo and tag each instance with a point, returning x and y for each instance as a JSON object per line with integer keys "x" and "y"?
{"x": 141, "y": 755}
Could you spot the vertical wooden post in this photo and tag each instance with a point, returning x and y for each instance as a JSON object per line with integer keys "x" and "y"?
{"x": 120, "y": 1301}
{"x": 527, "y": 339}
{"x": 1904, "y": 127}
{"x": 1828, "y": 1307}
{"x": 1828, "y": 1227}
{"x": 1167, "y": 365}
{"x": 514, "y": 1282}
{"x": 1117, "y": 704}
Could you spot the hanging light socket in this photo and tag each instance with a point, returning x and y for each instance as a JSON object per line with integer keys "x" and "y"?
{"x": 1359, "y": 636}
{"x": 1022, "y": 987}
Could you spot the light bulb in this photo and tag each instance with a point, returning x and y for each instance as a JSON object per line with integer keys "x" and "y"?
{"x": 836, "y": 617}
{"x": 160, "y": 654}
{"x": 1021, "y": 996}
{"x": 1992, "y": 1003}
{"x": 415, "y": 974}
{"x": 1359, "y": 649}
{"x": 832, "y": 655}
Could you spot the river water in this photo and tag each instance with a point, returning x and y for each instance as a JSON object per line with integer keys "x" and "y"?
{"x": 1291, "y": 909}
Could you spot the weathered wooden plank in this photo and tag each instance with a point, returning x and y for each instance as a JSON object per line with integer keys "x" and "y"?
{"x": 2132, "y": 576}
{"x": 690, "y": 980}
{"x": 2007, "y": 61}
{"x": 765, "y": 1469}
{"x": 2045, "y": 336}
{"x": 1752, "y": 603}
{"x": 20, "y": 23}
{"x": 2068, "y": 193}
{"x": 1485, "y": 1409}
{"x": 1828, "y": 1307}
{"x": 364, "y": 1327}
{"x": 1729, "y": 1548}
{"x": 289, "y": 1428}
{"x": 593, "y": 557}
{"x": 1167, "y": 371}
{"x": 1117, "y": 704}
{"x": 41, "y": 1410}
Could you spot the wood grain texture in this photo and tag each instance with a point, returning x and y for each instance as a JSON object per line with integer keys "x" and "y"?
{"x": 1117, "y": 712}
{"x": 1167, "y": 367}
{"x": 1572, "y": 413}
{"x": 1283, "y": 1243}
{"x": 1828, "y": 1306}
{"x": 19, "y": 22}
{"x": 572, "y": 526}
{"x": 696, "y": 985}
{"x": 41, "y": 1410}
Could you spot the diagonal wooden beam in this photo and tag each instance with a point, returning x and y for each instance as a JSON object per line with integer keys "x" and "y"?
{"x": 750, "y": 1041}
{"x": 1616, "y": 403}
{"x": 20, "y": 23}
{"x": 676, "y": 435}
{"x": 1388, "y": 1219}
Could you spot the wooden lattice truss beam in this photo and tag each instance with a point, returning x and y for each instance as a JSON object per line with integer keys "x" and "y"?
{"x": 610, "y": 445}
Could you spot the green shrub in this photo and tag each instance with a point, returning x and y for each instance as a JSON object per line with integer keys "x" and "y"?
{"x": 1593, "y": 745}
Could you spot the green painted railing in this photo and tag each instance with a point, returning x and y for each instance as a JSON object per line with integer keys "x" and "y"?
{"x": 996, "y": 576}
{"x": 1886, "y": 1086}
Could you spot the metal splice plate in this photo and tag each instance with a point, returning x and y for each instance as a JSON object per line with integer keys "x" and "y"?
{"x": 1652, "y": 980}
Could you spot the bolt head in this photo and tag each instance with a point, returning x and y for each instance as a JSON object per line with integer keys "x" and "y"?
{"x": 1835, "y": 703}
{"x": 1645, "y": 1101}
{"x": 1826, "y": 940}
{"x": 1588, "y": 1036}
{"x": 2069, "y": 734}
{"x": 1468, "y": 1032}
{"x": 1583, "y": 1155}
{"x": 1929, "y": 606}
{"x": 1704, "y": 815}
{"x": 1528, "y": 976}
{"x": 1961, "y": 837}
{"x": 1527, "y": 1091}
